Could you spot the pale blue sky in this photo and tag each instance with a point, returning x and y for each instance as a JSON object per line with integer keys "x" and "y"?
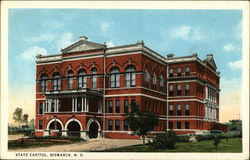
{"x": 181, "y": 32}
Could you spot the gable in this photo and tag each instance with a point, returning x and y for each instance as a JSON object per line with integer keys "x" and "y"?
{"x": 82, "y": 45}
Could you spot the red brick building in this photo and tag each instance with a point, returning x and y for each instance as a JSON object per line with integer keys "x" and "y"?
{"x": 87, "y": 89}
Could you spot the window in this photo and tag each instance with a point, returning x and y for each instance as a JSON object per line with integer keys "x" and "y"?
{"x": 126, "y": 106}
{"x": 146, "y": 79}
{"x": 125, "y": 125}
{"x": 187, "y": 109}
{"x": 117, "y": 125}
{"x": 187, "y": 70}
{"x": 187, "y": 92}
{"x": 70, "y": 79}
{"x": 56, "y": 82}
{"x": 171, "y": 90}
{"x": 178, "y": 125}
{"x": 186, "y": 125}
{"x": 110, "y": 126}
{"x": 161, "y": 83}
{"x": 94, "y": 79}
{"x": 82, "y": 79}
{"x": 114, "y": 80}
{"x": 43, "y": 83}
{"x": 130, "y": 76}
{"x": 178, "y": 109}
{"x": 40, "y": 108}
{"x": 171, "y": 110}
{"x": 154, "y": 81}
{"x": 178, "y": 90}
{"x": 171, "y": 72}
{"x": 179, "y": 72}
{"x": 40, "y": 124}
{"x": 117, "y": 106}
{"x": 170, "y": 125}
{"x": 110, "y": 106}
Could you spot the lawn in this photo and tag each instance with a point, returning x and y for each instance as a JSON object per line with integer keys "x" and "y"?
{"x": 233, "y": 145}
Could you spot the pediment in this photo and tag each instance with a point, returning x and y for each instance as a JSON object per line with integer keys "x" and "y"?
{"x": 211, "y": 62}
{"x": 82, "y": 45}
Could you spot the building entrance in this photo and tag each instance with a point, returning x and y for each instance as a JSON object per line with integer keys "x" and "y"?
{"x": 93, "y": 130}
{"x": 73, "y": 129}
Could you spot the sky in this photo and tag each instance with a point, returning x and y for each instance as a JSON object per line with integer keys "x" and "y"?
{"x": 181, "y": 32}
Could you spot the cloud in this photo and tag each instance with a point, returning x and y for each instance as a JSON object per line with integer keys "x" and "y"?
{"x": 53, "y": 24}
{"x": 31, "y": 52}
{"x": 187, "y": 33}
{"x": 229, "y": 47}
{"x": 236, "y": 65}
{"x": 65, "y": 40}
{"x": 238, "y": 30}
{"x": 110, "y": 44}
{"x": 45, "y": 38}
{"x": 105, "y": 26}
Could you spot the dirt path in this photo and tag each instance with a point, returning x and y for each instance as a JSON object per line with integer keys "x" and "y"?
{"x": 90, "y": 145}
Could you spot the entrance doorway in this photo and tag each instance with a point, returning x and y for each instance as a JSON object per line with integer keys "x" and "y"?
{"x": 74, "y": 129}
{"x": 93, "y": 130}
{"x": 55, "y": 128}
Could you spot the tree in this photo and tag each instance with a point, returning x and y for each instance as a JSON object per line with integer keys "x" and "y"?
{"x": 141, "y": 123}
{"x": 18, "y": 115}
{"x": 32, "y": 123}
{"x": 217, "y": 140}
{"x": 25, "y": 119}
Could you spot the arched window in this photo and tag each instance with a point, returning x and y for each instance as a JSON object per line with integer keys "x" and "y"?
{"x": 171, "y": 72}
{"x": 56, "y": 82}
{"x": 154, "y": 81}
{"x": 70, "y": 79}
{"x": 114, "y": 77}
{"x": 130, "y": 76}
{"x": 178, "y": 90}
{"x": 171, "y": 90}
{"x": 146, "y": 78}
{"x": 187, "y": 92}
{"x": 161, "y": 83}
{"x": 82, "y": 79}
{"x": 43, "y": 82}
{"x": 94, "y": 78}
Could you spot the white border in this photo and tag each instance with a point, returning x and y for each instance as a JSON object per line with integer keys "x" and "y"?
{"x": 244, "y": 5}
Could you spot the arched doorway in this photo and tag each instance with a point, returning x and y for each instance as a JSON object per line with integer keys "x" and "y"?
{"x": 74, "y": 129}
{"x": 93, "y": 130}
{"x": 55, "y": 128}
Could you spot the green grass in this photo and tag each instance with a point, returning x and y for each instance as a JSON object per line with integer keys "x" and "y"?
{"x": 233, "y": 145}
{"x": 12, "y": 145}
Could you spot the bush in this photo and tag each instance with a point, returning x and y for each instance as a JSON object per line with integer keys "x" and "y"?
{"x": 165, "y": 140}
{"x": 183, "y": 138}
{"x": 204, "y": 137}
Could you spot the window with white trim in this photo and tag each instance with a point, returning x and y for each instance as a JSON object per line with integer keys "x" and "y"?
{"x": 187, "y": 71}
{"x": 178, "y": 109}
{"x": 43, "y": 83}
{"x": 56, "y": 82}
{"x": 130, "y": 76}
{"x": 171, "y": 110}
{"x": 161, "y": 83}
{"x": 178, "y": 90}
{"x": 187, "y": 90}
{"x": 70, "y": 79}
{"x": 154, "y": 81}
{"x": 179, "y": 72}
{"x": 94, "y": 78}
{"x": 114, "y": 77}
{"x": 171, "y": 72}
{"x": 171, "y": 90}
{"x": 82, "y": 79}
{"x": 187, "y": 112}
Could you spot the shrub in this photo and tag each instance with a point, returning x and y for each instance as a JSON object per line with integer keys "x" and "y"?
{"x": 165, "y": 140}
{"x": 183, "y": 138}
{"x": 217, "y": 140}
{"x": 204, "y": 137}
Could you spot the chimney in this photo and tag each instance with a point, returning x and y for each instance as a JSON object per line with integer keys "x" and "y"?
{"x": 194, "y": 55}
{"x": 84, "y": 38}
{"x": 170, "y": 56}
{"x": 140, "y": 43}
{"x": 209, "y": 56}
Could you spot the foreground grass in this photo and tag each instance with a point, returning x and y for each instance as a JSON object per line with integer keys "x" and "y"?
{"x": 233, "y": 145}
{"x": 14, "y": 146}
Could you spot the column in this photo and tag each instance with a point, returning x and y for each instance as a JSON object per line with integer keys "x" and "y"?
{"x": 44, "y": 107}
{"x": 46, "y": 102}
{"x": 49, "y": 110}
{"x": 73, "y": 103}
{"x": 56, "y": 104}
{"x": 82, "y": 104}
{"x": 85, "y": 104}
{"x": 76, "y": 104}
